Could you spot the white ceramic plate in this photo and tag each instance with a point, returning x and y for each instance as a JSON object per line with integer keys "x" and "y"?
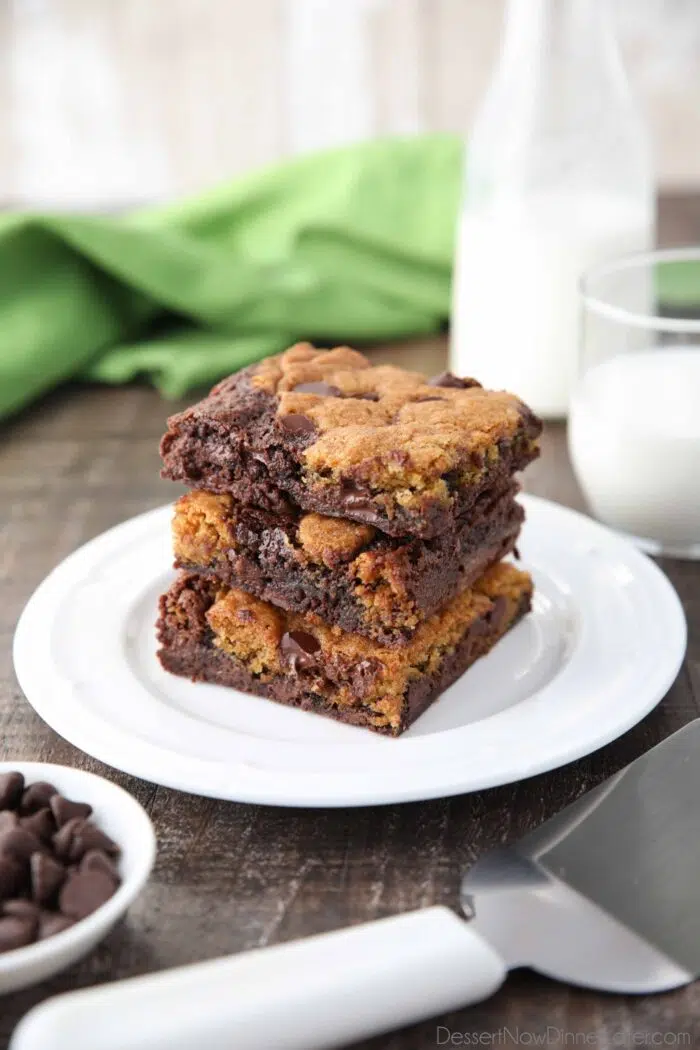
{"x": 603, "y": 644}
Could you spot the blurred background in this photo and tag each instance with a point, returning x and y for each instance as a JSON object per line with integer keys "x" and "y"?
{"x": 110, "y": 103}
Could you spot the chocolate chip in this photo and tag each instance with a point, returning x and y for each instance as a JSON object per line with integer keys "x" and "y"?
{"x": 296, "y": 424}
{"x": 15, "y": 933}
{"x": 422, "y": 400}
{"x": 8, "y": 820}
{"x": 51, "y": 923}
{"x": 87, "y": 837}
{"x": 11, "y": 788}
{"x": 12, "y": 876}
{"x": 47, "y": 876}
{"x": 369, "y": 396}
{"x": 84, "y": 892}
{"x": 322, "y": 389}
{"x": 19, "y": 843}
{"x": 64, "y": 810}
{"x": 63, "y": 839}
{"x": 516, "y": 554}
{"x": 36, "y": 796}
{"x": 97, "y": 860}
{"x": 40, "y": 824}
{"x": 447, "y": 379}
{"x": 21, "y": 909}
{"x": 298, "y": 650}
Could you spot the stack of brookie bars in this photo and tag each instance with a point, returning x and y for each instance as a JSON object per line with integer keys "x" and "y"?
{"x": 341, "y": 548}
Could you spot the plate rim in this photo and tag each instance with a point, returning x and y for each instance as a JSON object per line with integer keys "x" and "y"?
{"x": 205, "y": 776}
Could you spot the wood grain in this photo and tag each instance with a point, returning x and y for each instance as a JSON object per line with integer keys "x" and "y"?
{"x": 231, "y": 877}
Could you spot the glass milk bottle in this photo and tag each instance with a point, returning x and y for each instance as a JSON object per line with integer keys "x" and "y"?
{"x": 558, "y": 178}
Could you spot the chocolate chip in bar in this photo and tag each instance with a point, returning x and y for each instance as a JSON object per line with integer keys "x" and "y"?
{"x": 84, "y": 892}
{"x": 298, "y": 649}
{"x": 36, "y": 796}
{"x": 11, "y": 788}
{"x": 64, "y": 810}
{"x": 447, "y": 379}
{"x": 322, "y": 389}
{"x": 296, "y": 424}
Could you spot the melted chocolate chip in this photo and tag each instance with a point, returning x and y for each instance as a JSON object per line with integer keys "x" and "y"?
{"x": 355, "y": 502}
{"x": 498, "y": 612}
{"x": 369, "y": 396}
{"x": 296, "y": 424}
{"x": 447, "y": 379}
{"x": 298, "y": 649}
{"x": 322, "y": 389}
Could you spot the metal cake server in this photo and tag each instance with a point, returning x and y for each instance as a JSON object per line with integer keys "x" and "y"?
{"x": 606, "y": 894}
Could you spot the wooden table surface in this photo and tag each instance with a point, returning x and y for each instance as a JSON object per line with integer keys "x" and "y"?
{"x": 231, "y": 877}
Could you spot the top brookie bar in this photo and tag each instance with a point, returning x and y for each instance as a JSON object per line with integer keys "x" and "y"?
{"x": 374, "y": 444}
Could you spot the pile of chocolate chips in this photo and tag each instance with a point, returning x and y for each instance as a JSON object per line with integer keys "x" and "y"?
{"x": 56, "y": 866}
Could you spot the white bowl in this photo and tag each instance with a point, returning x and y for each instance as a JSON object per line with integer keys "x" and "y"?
{"x": 124, "y": 820}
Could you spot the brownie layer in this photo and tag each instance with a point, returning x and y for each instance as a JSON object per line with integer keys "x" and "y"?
{"x": 209, "y": 632}
{"x": 349, "y": 574}
{"x": 337, "y": 436}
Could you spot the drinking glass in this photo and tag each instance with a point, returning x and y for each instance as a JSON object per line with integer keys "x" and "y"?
{"x": 634, "y": 420}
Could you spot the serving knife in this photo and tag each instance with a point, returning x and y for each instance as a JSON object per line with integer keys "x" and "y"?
{"x": 605, "y": 895}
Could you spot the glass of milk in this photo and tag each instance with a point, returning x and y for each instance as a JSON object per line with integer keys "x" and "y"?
{"x": 634, "y": 423}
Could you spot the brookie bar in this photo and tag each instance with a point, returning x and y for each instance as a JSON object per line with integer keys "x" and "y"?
{"x": 374, "y": 444}
{"x": 349, "y": 574}
{"x": 211, "y": 633}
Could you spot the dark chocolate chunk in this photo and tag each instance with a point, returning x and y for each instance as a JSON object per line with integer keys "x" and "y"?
{"x": 36, "y": 796}
{"x": 8, "y": 819}
{"x": 298, "y": 649}
{"x": 12, "y": 877}
{"x": 51, "y": 923}
{"x": 322, "y": 389}
{"x": 15, "y": 933}
{"x": 47, "y": 876}
{"x": 40, "y": 824}
{"x": 97, "y": 860}
{"x": 19, "y": 843}
{"x": 84, "y": 892}
{"x": 296, "y": 424}
{"x": 447, "y": 379}
{"x": 64, "y": 810}
{"x": 11, "y": 788}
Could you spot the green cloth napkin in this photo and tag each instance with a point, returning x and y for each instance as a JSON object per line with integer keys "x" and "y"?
{"x": 349, "y": 245}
